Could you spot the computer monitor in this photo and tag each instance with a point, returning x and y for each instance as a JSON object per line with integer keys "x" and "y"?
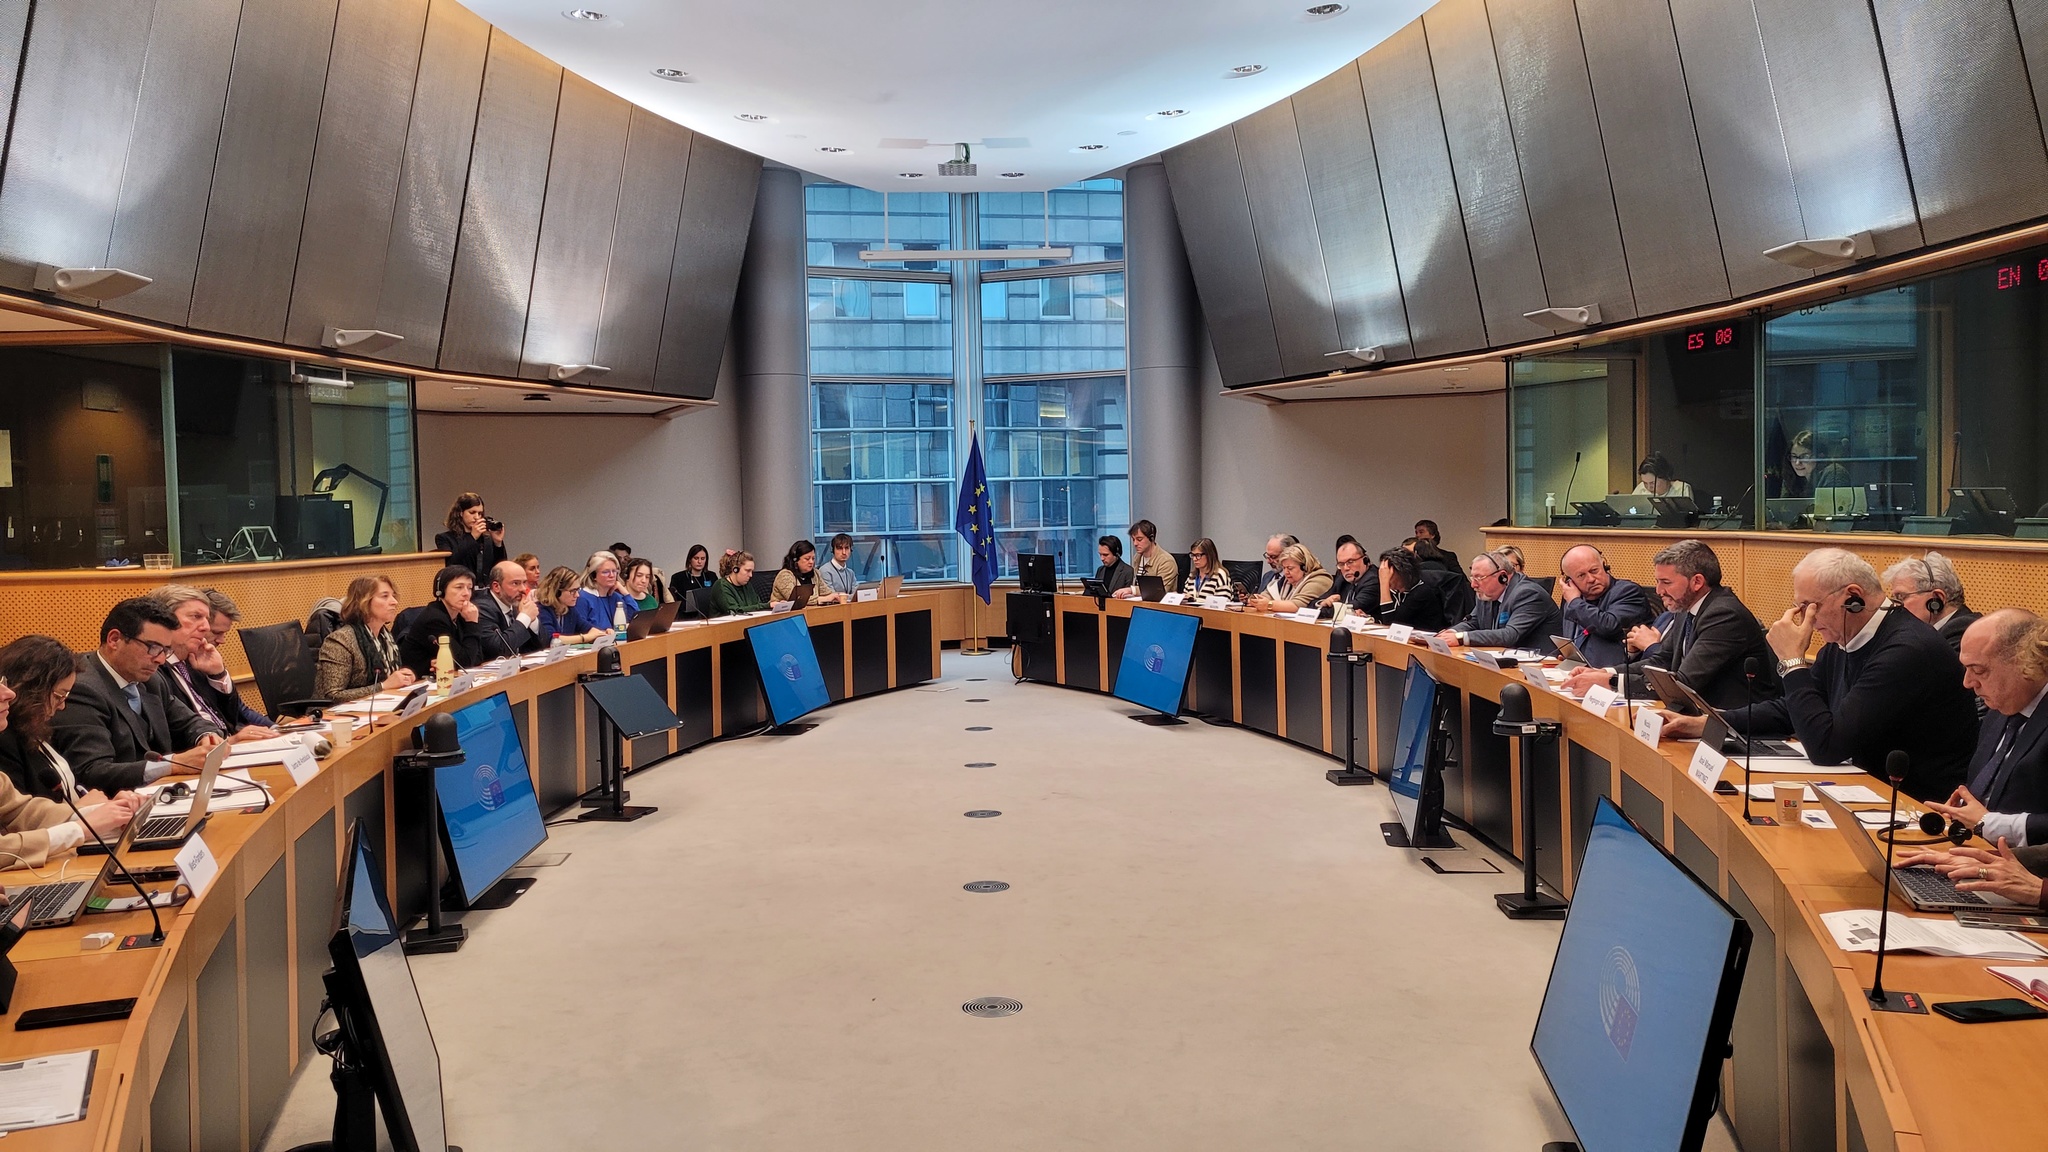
{"x": 490, "y": 817}
{"x": 378, "y": 1009}
{"x": 1634, "y": 1023}
{"x": 1154, "y": 670}
{"x": 1035, "y": 573}
{"x": 1416, "y": 779}
{"x": 790, "y": 676}
{"x": 1983, "y": 511}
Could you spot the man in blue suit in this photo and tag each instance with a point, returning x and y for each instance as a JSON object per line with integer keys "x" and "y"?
{"x": 1600, "y": 607}
{"x": 1513, "y": 610}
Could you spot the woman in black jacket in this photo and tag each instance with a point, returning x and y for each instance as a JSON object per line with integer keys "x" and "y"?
{"x": 473, "y": 540}
{"x": 40, "y": 670}
{"x": 452, "y": 614}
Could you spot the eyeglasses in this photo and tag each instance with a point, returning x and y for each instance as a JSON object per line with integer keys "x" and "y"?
{"x": 156, "y": 651}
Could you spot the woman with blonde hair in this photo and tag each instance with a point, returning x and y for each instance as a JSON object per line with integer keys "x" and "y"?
{"x": 1302, "y": 582}
{"x": 603, "y": 596}
{"x": 559, "y": 591}
{"x": 360, "y": 658}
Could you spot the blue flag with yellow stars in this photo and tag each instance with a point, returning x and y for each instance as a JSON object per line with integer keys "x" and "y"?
{"x": 974, "y": 521}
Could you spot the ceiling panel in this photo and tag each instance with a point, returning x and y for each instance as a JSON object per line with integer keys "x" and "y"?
{"x": 1351, "y": 215}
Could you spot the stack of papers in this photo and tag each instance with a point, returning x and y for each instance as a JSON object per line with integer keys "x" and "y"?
{"x": 1852, "y": 793}
{"x": 382, "y": 702}
{"x": 1855, "y": 930}
{"x": 45, "y": 1090}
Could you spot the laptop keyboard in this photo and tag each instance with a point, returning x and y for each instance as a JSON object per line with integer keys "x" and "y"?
{"x": 161, "y": 827}
{"x": 53, "y": 903}
{"x": 1926, "y": 886}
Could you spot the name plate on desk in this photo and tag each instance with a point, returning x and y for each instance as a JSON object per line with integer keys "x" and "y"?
{"x": 1399, "y": 633}
{"x": 1305, "y": 615}
{"x": 1706, "y": 767}
{"x": 299, "y": 762}
{"x": 1597, "y": 699}
{"x": 1649, "y": 726}
{"x": 1437, "y": 645}
{"x": 865, "y": 595}
{"x": 1217, "y": 601}
{"x": 1175, "y": 599}
{"x": 196, "y": 865}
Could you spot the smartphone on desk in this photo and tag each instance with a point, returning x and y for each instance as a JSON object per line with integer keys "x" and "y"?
{"x": 90, "y": 1012}
{"x": 1989, "y": 1011}
{"x": 2009, "y": 921}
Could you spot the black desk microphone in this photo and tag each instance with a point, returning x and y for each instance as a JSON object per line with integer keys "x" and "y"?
{"x": 1751, "y": 668}
{"x": 1896, "y": 764}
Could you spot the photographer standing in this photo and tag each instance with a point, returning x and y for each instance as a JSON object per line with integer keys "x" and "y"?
{"x": 473, "y": 540}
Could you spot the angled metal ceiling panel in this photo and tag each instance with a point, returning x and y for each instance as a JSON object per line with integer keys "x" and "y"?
{"x": 361, "y": 148}
{"x": 1653, "y": 155}
{"x": 2031, "y": 17}
{"x": 250, "y": 247}
{"x": 581, "y": 206}
{"x": 1563, "y": 161}
{"x": 1216, "y": 220}
{"x": 643, "y": 249}
{"x": 1748, "y": 174}
{"x": 1284, "y": 224}
{"x": 1475, "y": 117}
{"x": 1836, "y": 113}
{"x": 1351, "y": 216}
{"x": 1421, "y": 196}
{"x": 72, "y": 122}
{"x": 169, "y": 168}
{"x": 1973, "y": 136}
{"x": 711, "y": 243}
{"x": 508, "y": 173}
{"x": 420, "y": 257}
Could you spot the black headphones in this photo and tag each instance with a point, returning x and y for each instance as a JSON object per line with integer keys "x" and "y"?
{"x": 1853, "y": 603}
{"x": 1935, "y": 604}
{"x": 1957, "y": 832}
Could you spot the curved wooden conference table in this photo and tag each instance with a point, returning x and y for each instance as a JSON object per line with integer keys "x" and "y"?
{"x": 1813, "y": 1067}
{"x": 225, "y": 1007}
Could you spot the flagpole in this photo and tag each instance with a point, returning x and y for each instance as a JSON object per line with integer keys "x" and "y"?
{"x": 975, "y": 644}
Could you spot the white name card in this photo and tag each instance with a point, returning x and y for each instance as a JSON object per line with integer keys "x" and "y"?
{"x": 1399, "y": 633}
{"x": 1649, "y": 726}
{"x": 1437, "y": 645}
{"x": 1706, "y": 767}
{"x": 1597, "y": 700}
{"x": 1305, "y": 615}
{"x": 1173, "y": 598}
{"x": 299, "y": 762}
{"x": 196, "y": 865}
{"x": 1217, "y": 601}
{"x": 864, "y": 595}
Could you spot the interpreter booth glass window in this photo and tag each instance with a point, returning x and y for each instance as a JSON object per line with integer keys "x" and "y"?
{"x": 284, "y": 461}
{"x": 81, "y": 455}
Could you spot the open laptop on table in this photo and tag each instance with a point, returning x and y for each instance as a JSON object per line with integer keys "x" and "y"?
{"x": 1151, "y": 588}
{"x": 1568, "y": 654}
{"x": 660, "y": 620}
{"x": 159, "y": 832}
{"x": 1924, "y": 888}
{"x": 56, "y": 904}
{"x": 1677, "y": 694}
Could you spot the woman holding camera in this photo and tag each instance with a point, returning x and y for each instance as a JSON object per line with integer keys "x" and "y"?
{"x": 473, "y": 540}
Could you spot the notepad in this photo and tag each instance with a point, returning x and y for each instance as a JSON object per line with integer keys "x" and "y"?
{"x": 46, "y": 1090}
{"x": 2032, "y": 981}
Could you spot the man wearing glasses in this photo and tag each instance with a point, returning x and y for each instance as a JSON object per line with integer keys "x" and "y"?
{"x": 1884, "y": 679}
{"x": 1513, "y": 611}
{"x": 122, "y": 728}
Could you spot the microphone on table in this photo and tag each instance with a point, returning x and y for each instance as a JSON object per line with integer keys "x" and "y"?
{"x": 1751, "y": 669}
{"x": 1574, "y": 480}
{"x": 1896, "y": 763}
{"x": 50, "y": 778}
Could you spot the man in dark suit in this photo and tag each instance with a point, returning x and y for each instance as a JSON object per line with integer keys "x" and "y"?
{"x": 1706, "y": 641}
{"x": 2006, "y": 794}
{"x": 1600, "y": 608}
{"x": 196, "y": 665}
{"x": 1883, "y": 681}
{"x": 1427, "y": 530}
{"x": 1513, "y": 611}
{"x": 509, "y": 610}
{"x": 122, "y": 728}
{"x": 1928, "y": 587}
{"x": 1357, "y": 586}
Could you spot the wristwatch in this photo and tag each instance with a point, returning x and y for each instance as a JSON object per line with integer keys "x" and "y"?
{"x": 1785, "y": 666}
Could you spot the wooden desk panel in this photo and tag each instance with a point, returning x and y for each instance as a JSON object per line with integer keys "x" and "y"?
{"x": 1820, "y": 1060}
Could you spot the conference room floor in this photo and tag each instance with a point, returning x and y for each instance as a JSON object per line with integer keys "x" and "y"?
{"x": 1213, "y": 947}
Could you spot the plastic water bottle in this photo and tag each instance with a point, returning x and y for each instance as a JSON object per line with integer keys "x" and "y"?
{"x": 444, "y": 664}
{"x": 1549, "y": 507}
{"x": 619, "y": 620}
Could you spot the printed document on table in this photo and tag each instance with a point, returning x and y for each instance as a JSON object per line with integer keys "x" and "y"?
{"x": 46, "y": 1090}
{"x": 1855, "y": 930}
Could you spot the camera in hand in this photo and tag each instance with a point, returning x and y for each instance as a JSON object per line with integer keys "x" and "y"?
{"x": 491, "y": 525}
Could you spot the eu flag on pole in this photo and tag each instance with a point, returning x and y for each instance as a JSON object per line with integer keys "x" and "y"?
{"x": 974, "y": 521}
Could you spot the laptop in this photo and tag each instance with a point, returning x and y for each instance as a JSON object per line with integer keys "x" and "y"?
{"x": 55, "y": 905}
{"x": 1568, "y": 654}
{"x": 1677, "y": 694}
{"x": 892, "y": 587}
{"x": 800, "y": 597}
{"x": 660, "y": 620}
{"x": 1843, "y": 503}
{"x": 1152, "y": 588}
{"x": 172, "y": 831}
{"x": 1924, "y": 888}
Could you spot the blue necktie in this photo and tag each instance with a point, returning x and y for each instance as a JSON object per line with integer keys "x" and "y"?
{"x": 134, "y": 694}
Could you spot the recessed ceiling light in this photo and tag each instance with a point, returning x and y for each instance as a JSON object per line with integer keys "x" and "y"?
{"x": 1247, "y": 69}
{"x": 675, "y": 74}
{"x": 464, "y": 387}
{"x": 831, "y": 149}
{"x": 1013, "y": 175}
{"x": 911, "y": 175}
{"x": 1328, "y": 9}
{"x": 1092, "y": 147}
{"x": 589, "y": 14}
{"x": 1170, "y": 113}
{"x": 751, "y": 117}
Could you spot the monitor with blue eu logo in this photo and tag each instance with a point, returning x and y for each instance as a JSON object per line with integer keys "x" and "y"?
{"x": 1154, "y": 671}
{"x": 1635, "y": 1021}
{"x": 790, "y": 676}
{"x": 490, "y": 817}
{"x": 1416, "y": 779}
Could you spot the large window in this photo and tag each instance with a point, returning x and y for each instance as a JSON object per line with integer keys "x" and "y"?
{"x": 898, "y": 380}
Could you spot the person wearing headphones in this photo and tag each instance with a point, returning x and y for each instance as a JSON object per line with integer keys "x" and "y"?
{"x": 1928, "y": 587}
{"x": 1883, "y": 681}
{"x": 453, "y": 614}
{"x": 1707, "y": 640}
{"x": 1510, "y": 610}
{"x": 1599, "y": 607}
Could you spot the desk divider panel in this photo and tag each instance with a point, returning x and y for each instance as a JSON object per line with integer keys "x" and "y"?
{"x": 1694, "y": 853}
{"x": 366, "y": 805}
{"x": 170, "y": 1106}
{"x": 522, "y": 719}
{"x": 1258, "y": 683}
{"x": 740, "y": 688}
{"x": 1489, "y": 778}
{"x": 870, "y": 661}
{"x": 1642, "y": 806}
{"x": 218, "y": 1049}
{"x": 314, "y": 873}
{"x": 1549, "y": 782}
{"x": 914, "y": 648}
{"x": 1386, "y": 689}
{"x": 1082, "y": 633}
{"x": 648, "y": 749}
{"x": 1041, "y": 661}
{"x": 1809, "y": 1073}
{"x": 266, "y": 937}
{"x": 693, "y": 698}
{"x": 1115, "y": 630}
{"x": 1305, "y": 696}
{"x": 1211, "y": 675}
{"x": 830, "y": 642}
{"x": 1752, "y": 1106}
{"x": 557, "y": 762}
{"x": 1590, "y": 777}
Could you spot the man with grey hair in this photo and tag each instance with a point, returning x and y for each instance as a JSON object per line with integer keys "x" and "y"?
{"x": 1269, "y": 572}
{"x": 2005, "y": 662}
{"x": 1706, "y": 640}
{"x": 1928, "y": 587}
{"x": 1510, "y": 610}
{"x": 197, "y": 669}
{"x": 1884, "y": 681}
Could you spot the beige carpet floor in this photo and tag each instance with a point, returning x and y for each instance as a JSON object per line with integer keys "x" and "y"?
{"x": 1213, "y": 947}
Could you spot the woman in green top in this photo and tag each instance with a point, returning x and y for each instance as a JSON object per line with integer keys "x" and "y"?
{"x": 639, "y": 584}
{"x": 734, "y": 591}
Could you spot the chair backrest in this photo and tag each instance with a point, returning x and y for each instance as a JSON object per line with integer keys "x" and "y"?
{"x": 324, "y": 618}
{"x": 763, "y": 583}
{"x": 1459, "y": 598}
{"x": 281, "y": 662}
{"x": 406, "y": 616}
{"x": 1549, "y": 583}
{"x": 1245, "y": 572}
{"x": 701, "y": 603}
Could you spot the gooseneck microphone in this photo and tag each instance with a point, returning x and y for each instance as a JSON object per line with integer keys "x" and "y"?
{"x": 1896, "y": 764}
{"x": 1751, "y": 669}
{"x": 50, "y": 777}
{"x": 1576, "y": 456}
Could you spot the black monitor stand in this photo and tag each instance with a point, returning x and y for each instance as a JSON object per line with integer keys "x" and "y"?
{"x": 1156, "y": 719}
{"x": 627, "y": 709}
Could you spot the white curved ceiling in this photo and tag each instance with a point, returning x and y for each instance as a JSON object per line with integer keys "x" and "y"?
{"x": 1029, "y": 85}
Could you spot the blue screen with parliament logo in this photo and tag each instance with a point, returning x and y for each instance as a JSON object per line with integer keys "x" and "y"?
{"x": 790, "y": 676}
{"x": 1630, "y": 1014}
{"x": 1154, "y": 670}
{"x": 488, "y": 806}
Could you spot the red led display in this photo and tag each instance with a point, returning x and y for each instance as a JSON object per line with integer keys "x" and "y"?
{"x": 1713, "y": 338}
{"x": 2011, "y": 276}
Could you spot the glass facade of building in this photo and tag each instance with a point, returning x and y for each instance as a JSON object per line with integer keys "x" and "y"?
{"x": 899, "y": 379}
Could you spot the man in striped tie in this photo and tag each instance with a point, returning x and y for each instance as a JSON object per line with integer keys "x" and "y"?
{"x": 2005, "y": 794}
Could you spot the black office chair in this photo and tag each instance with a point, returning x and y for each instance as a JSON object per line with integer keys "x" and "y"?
{"x": 763, "y": 584}
{"x": 283, "y": 667}
{"x": 701, "y": 603}
{"x": 406, "y": 616}
{"x": 1459, "y": 598}
{"x": 1245, "y": 572}
{"x": 1549, "y": 583}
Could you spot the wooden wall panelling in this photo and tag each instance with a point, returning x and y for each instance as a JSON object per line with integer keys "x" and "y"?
{"x": 656, "y": 171}
{"x": 703, "y": 282}
{"x": 575, "y": 246}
